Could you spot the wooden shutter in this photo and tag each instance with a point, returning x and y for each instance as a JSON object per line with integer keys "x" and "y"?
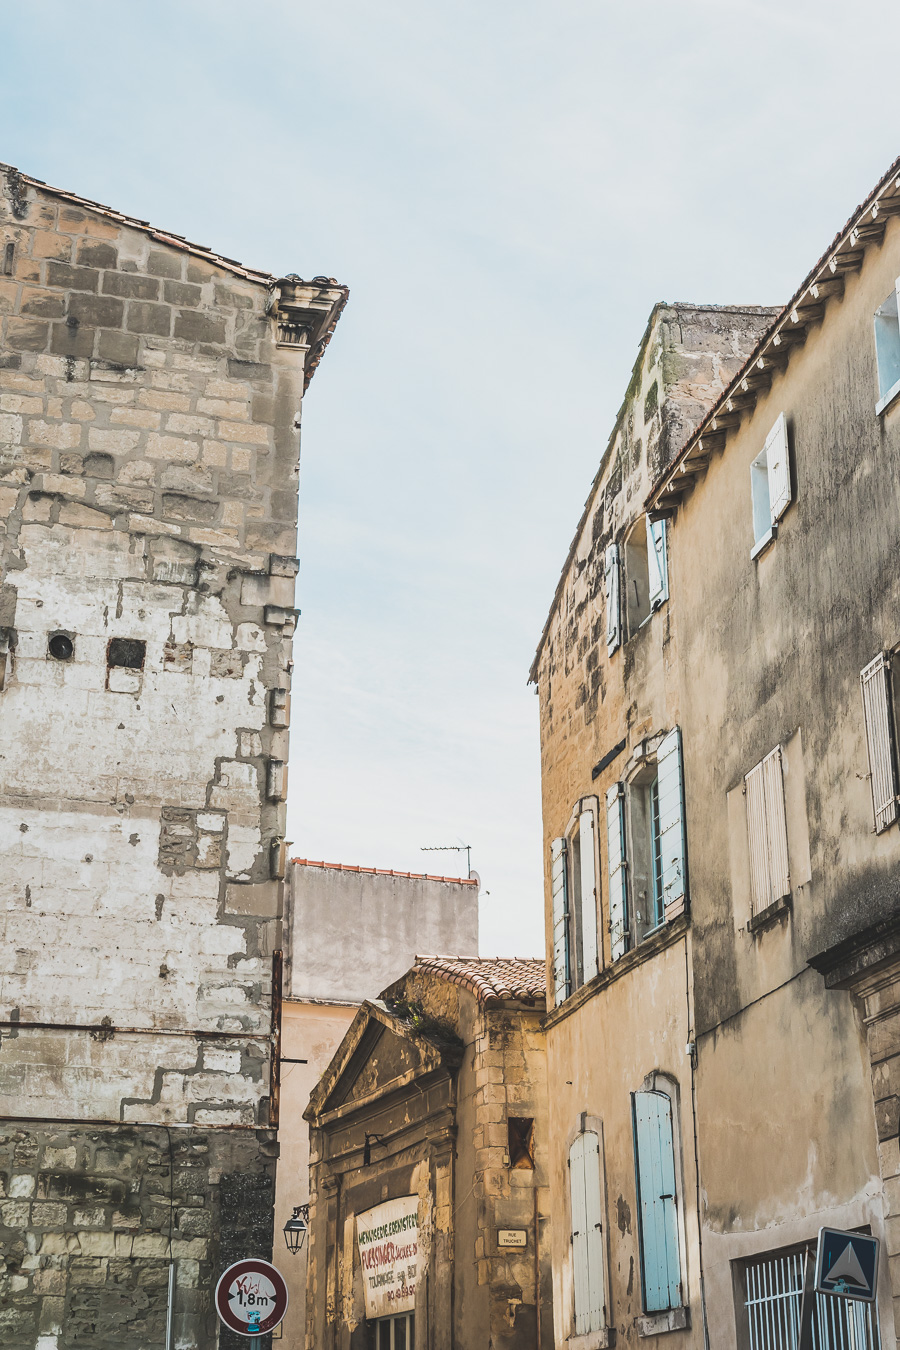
{"x": 779, "y": 469}
{"x": 776, "y": 824}
{"x": 654, "y": 1149}
{"x": 875, "y": 681}
{"x": 615, "y": 838}
{"x": 613, "y": 606}
{"x": 588, "y": 896}
{"x": 657, "y": 563}
{"x": 559, "y": 891}
{"x": 587, "y": 1233}
{"x": 754, "y": 792}
{"x": 671, "y": 818}
{"x": 767, "y": 832}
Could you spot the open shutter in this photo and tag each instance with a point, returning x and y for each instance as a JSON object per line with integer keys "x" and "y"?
{"x": 671, "y": 819}
{"x": 876, "y": 695}
{"x": 776, "y": 824}
{"x": 560, "y": 899}
{"x": 755, "y": 794}
{"x": 779, "y": 469}
{"x": 657, "y": 563}
{"x": 613, "y": 619}
{"x": 615, "y": 837}
{"x": 588, "y": 895}
{"x": 654, "y": 1149}
{"x": 579, "y": 1235}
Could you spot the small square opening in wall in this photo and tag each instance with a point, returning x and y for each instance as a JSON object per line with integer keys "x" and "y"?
{"x": 126, "y": 652}
{"x": 520, "y": 1141}
{"x": 61, "y": 646}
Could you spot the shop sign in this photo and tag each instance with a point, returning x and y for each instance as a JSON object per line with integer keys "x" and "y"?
{"x": 388, "y": 1240}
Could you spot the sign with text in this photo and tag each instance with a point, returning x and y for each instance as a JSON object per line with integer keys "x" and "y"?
{"x": 388, "y": 1240}
{"x": 251, "y": 1297}
{"x": 512, "y": 1237}
{"x": 847, "y": 1264}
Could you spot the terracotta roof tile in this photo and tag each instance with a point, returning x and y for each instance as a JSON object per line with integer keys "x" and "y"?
{"x": 491, "y": 979}
{"x": 384, "y": 872}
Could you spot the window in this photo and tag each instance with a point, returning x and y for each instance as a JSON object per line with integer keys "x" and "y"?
{"x": 887, "y": 351}
{"x": 880, "y": 740}
{"x": 770, "y": 485}
{"x": 573, "y": 884}
{"x": 646, "y": 571}
{"x": 646, "y": 846}
{"x": 611, "y": 573}
{"x": 657, "y": 1195}
{"x": 520, "y": 1141}
{"x": 586, "y": 1193}
{"x": 772, "y": 1295}
{"x": 770, "y": 879}
{"x": 394, "y": 1333}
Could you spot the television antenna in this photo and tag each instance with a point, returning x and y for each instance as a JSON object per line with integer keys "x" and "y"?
{"x": 451, "y": 848}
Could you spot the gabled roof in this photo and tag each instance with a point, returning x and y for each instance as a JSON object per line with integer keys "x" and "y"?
{"x": 789, "y": 329}
{"x": 490, "y": 979}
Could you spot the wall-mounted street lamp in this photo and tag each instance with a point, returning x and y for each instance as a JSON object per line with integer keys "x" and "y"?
{"x": 296, "y": 1228}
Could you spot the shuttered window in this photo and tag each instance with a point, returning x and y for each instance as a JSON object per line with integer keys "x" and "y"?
{"x": 654, "y": 1151}
{"x": 559, "y": 890}
{"x": 877, "y": 709}
{"x": 587, "y": 1233}
{"x": 770, "y": 878}
{"x": 671, "y": 819}
{"x": 657, "y": 563}
{"x": 589, "y": 966}
{"x": 618, "y": 896}
{"x": 613, "y": 604}
{"x": 779, "y": 469}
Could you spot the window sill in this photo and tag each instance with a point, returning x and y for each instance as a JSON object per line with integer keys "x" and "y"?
{"x": 655, "y": 1324}
{"x": 604, "y": 1339}
{"x": 884, "y": 403}
{"x": 772, "y": 914}
{"x": 651, "y": 946}
{"x": 762, "y": 544}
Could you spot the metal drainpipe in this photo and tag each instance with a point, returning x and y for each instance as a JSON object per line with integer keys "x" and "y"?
{"x": 537, "y": 1273}
{"x": 170, "y": 1311}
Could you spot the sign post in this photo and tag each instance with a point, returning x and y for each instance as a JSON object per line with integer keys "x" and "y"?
{"x": 251, "y": 1299}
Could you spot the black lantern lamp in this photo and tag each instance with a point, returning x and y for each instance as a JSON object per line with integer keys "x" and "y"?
{"x": 296, "y": 1227}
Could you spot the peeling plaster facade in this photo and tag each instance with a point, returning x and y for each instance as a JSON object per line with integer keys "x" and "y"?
{"x": 150, "y": 397}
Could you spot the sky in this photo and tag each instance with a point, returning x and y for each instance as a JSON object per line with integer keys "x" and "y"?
{"x": 507, "y": 188}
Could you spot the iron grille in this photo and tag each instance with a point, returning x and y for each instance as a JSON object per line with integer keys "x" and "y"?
{"x": 773, "y": 1289}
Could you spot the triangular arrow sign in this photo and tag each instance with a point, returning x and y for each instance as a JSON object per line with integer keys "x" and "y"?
{"x": 847, "y": 1268}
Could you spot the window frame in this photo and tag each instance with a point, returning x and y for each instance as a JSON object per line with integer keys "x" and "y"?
{"x": 887, "y": 392}
{"x": 583, "y": 963}
{"x": 880, "y": 729}
{"x": 771, "y": 485}
{"x": 645, "y": 552}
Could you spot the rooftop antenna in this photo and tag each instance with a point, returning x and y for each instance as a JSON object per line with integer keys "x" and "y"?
{"x": 451, "y": 848}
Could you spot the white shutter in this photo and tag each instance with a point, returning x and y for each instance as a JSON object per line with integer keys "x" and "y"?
{"x": 671, "y": 818}
{"x": 776, "y": 825}
{"x": 593, "y": 1212}
{"x": 613, "y": 620}
{"x": 779, "y": 469}
{"x": 615, "y": 836}
{"x": 559, "y": 891}
{"x": 579, "y": 1235}
{"x": 588, "y": 896}
{"x": 657, "y": 563}
{"x": 876, "y": 696}
{"x": 754, "y": 791}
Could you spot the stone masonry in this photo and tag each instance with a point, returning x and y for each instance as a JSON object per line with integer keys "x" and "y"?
{"x": 150, "y": 396}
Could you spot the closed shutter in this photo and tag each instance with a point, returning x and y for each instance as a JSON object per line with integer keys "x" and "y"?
{"x": 657, "y": 563}
{"x": 671, "y": 818}
{"x": 559, "y": 891}
{"x": 654, "y": 1148}
{"x": 876, "y": 695}
{"x": 587, "y": 1233}
{"x": 770, "y": 877}
{"x": 613, "y": 621}
{"x": 776, "y": 824}
{"x": 588, "y": 896}
{"x": 755, "y": 794}
{"x": 579, "y": 1235}
{"x": 779, "y": 469}
{"x": 615, "y": 839}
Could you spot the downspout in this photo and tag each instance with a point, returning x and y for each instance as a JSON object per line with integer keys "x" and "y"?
{"x": 693, "y": 1058}
{"x": 537, "y": 1273}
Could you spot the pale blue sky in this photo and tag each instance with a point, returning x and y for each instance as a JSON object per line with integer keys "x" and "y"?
{"x": 507, "y": 188}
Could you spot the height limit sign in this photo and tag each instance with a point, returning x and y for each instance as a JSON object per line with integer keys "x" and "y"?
{"x": 251, "y": 1297}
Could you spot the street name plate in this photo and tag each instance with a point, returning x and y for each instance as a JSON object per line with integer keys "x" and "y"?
{"x": 512, "y": 1237}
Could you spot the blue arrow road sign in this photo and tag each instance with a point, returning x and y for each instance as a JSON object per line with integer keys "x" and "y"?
{"x": 847, "y": 1264}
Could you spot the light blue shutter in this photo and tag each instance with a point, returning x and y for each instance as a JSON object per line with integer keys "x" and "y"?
{"x": 587, "y": 1233}
{"x": 613, "y": 621}
{"x": 654, "y": 1149}
{"x": 615, "y": 836}
{"x": 559, "y": 891}
{"x": 588, "y": 896}
{"x": 579, "y": 1235}
{"x": 657, "y": 562}
{"x": 671, "y": 818}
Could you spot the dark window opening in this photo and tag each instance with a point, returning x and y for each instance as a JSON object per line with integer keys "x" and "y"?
{"x": 520, "y": 1141}
{"x": 61, "y": 647}
{"x": 9, "y": 254}
{"x": 128, "y": 652}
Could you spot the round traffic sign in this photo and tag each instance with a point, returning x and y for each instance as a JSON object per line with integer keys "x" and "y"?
{"x": 251, "y": 1297}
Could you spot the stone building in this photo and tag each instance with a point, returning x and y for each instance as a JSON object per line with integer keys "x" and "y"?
{"x": 150, "y": 396}
{"x": 720, "y": 807}
{"x": 349, "y": 931}
{"x": 429, "y": 1155}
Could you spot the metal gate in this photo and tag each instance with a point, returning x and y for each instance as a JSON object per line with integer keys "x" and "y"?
{"x": 773, "y": 1289}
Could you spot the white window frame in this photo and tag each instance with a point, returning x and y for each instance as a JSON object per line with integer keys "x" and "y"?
{"x": 886, "y": 325}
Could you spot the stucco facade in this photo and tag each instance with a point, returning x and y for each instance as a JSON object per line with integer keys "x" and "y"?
{"x": 150, "y": 396}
